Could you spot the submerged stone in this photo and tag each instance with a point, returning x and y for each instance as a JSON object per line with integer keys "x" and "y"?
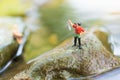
{"x": 66, "y": 62}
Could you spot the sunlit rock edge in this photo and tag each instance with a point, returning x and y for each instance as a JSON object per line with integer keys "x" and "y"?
{"x": 66, "y": 61}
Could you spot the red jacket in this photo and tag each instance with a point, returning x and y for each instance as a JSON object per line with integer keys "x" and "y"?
{"x": 78, "y": 29}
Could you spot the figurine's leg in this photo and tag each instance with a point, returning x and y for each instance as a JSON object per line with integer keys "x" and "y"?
{"x": 79, "y": 41}
{"x": 75, "y": 41}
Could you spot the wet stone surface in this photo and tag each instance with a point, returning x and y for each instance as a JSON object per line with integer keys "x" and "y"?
{"x": 66, "y": 62}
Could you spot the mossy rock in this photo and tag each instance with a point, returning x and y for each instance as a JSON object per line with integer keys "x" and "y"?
{"x": 66, "y": 62}
{"x": 103, "y": 37}
{"x": 8, "y": 46}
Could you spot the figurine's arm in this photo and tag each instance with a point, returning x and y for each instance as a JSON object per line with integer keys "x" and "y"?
{"x": 82, "y": 30}
{"x": 17, "y": 34}
{"x": 70, "y": 22}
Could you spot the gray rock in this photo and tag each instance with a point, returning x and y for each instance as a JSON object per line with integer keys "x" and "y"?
{"x": 65, "y": 61}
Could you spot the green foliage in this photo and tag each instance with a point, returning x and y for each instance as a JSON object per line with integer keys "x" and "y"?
{"x": 55, "y": 19}
{"x": 13, "y": 7}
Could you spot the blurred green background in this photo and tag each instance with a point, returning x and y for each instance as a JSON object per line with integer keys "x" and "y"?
{"x": 52, "y": 25}
{"x": 52, "y": 17}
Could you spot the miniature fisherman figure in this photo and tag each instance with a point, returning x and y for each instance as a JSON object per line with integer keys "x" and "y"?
{"x": 17, "y": 35}
{"x": 78, "y": 30}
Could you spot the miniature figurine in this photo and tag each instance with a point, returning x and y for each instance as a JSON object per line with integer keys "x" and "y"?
{"x": 17, "y": 35}
{"x": 78, "y": 30}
